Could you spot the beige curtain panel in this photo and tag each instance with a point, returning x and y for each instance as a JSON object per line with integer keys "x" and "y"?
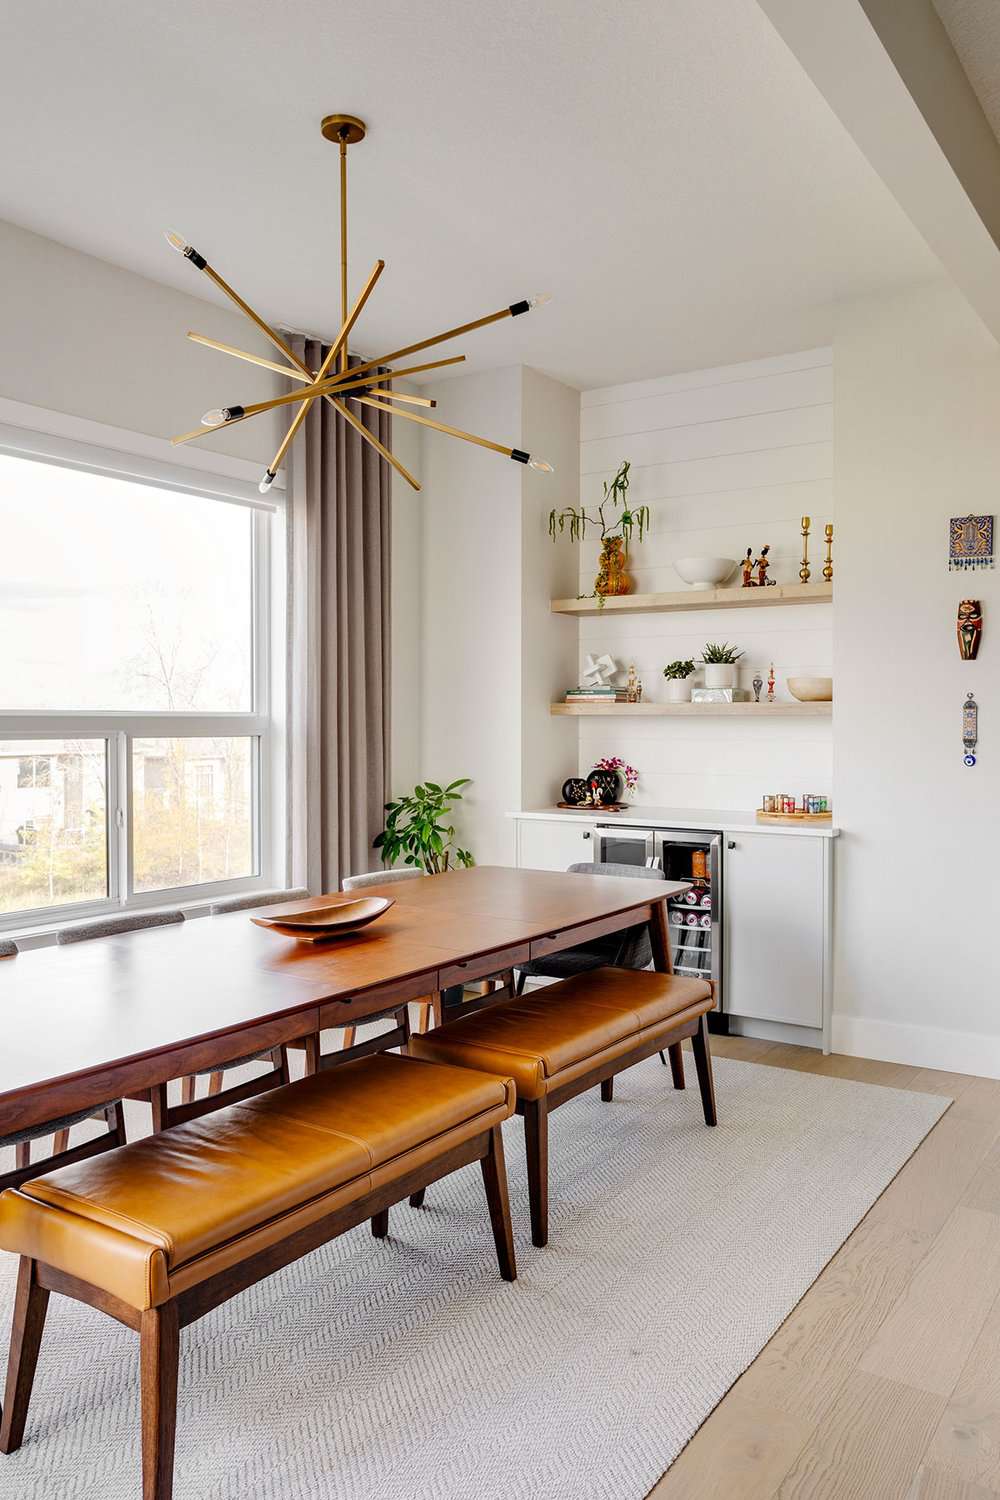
{"x": 339, "y": 513}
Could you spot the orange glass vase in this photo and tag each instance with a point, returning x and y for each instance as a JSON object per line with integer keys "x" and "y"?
{"x": 611, "y": 575}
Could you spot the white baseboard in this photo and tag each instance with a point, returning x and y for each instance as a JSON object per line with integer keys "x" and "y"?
{"x": 920, "y": 1046}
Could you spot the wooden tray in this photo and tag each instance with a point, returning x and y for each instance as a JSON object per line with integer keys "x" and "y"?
{"x": 330, "y": 919}
{"x": 590, "y": 807}
{"x": 797, "y": 817}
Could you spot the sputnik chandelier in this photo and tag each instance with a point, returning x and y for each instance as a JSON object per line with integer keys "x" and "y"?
{"x": 368, "y": 383}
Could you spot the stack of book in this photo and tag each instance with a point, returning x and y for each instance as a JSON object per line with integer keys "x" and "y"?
{"x": 595, "y": 695}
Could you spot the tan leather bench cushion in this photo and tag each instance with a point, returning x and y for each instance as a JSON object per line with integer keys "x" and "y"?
{"x": 138, "y": 1216}
{"x": 546, "y": 1038}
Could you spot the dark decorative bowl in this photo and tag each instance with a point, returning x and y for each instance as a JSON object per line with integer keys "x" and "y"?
{"x": 575, "y": 790}
{"x": 605, "y": 787}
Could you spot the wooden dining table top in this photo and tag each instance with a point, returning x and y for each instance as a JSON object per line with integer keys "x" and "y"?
{"x": 82, "y": 1023}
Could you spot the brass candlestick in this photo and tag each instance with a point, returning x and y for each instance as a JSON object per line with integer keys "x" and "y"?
{"x": 804, "y": 570}
{"x": 828, "y": 569}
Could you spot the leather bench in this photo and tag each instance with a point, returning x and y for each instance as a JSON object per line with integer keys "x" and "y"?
{"x": 158, "y": 1232}
{"x": 571, "y": 1036}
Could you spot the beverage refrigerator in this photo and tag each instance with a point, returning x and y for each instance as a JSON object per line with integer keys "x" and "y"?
{"x": 695, "y": 918}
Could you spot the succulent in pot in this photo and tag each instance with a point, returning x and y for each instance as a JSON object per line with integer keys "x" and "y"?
{"x": 678, "y": 675}
{"x": 720, "y": 661}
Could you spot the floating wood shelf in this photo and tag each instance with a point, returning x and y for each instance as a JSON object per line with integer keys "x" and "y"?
{"x": 692, "y": 710}
{"x": 633, "y": 604}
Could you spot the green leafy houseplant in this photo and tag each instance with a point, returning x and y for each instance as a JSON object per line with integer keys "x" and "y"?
{"x": 720, "y": 655}
{"x": 416, "y": 829}
{"x": 616, "y": 531}
{"x": 677, "y": 670}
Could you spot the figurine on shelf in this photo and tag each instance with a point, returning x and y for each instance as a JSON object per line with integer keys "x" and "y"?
{"x": 746, "y": 568}
{"x": 758, "y": 683}
{"x": 633, "y": 687}
{"x": 762, "y": 566}
{"x": 970, "y": 628}
{"x": 770, "y": 684}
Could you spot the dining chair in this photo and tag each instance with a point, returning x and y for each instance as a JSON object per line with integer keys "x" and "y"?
{"x": 112, "y": 1115}
{"x": 256, "y": 898}
{"x": 166, "y": 1114}
{"x": 630, "y": 949}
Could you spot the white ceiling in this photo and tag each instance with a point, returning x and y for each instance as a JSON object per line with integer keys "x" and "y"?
{"x": 973, "y": 27}
{"x": 663, "y": 167}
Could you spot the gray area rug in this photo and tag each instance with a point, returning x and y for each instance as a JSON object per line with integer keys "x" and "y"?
{"x": 406, "y": 1369}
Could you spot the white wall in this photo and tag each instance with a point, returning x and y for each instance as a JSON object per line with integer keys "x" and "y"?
{"x": 726, "y": 459}
{"x": 917, "y": 404}
{"x": 406, "y": 589}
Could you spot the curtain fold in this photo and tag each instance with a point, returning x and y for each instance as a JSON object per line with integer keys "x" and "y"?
{"x": 338, "y": 670}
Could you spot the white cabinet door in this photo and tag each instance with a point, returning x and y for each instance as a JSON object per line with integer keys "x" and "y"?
{"x": 553, "y": 846}
{"x": 774, "y": 893}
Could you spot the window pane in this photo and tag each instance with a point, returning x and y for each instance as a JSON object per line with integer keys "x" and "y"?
{"x": 120, "y": 596}
{"x": 53, "y": 822}
{"x": 192, "y": 817}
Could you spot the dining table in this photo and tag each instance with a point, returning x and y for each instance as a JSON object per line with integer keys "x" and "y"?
{"x": 89, "y": 1022}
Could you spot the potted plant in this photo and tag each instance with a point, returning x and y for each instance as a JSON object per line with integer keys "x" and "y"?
{"x": 615, "y": 534}
{"x": 720, "y": 664}
{"x": 416, "y": 831}
{"x": 678, "y": 675}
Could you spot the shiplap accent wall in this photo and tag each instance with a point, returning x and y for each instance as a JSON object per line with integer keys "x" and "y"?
{"x": 726, "y": 459}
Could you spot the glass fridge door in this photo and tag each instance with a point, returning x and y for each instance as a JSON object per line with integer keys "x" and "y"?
{"x": 695, "y": 917}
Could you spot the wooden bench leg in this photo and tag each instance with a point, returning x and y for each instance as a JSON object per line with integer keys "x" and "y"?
{"x": 608, "y": 1090}
{"x": 536, "y": 1143}
{"x": 159, "y": 1350}
{"x": 380, "y": 1224}
{"x": 495, "y": 1183}
{"x": 417, "y": 1198}
{"x": 703, "y": 1064}
{"x": 30, "y": 1305}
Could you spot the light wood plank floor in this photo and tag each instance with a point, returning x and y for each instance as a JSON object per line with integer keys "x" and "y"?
{"x": 884, "y": 1381}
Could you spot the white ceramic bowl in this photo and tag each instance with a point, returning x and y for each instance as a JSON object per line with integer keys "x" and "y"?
{"x": 705, "y": 572}
{"x": 811, "y": 689}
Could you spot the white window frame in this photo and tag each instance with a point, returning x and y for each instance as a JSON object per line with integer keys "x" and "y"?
{"x": 226, "y": 481}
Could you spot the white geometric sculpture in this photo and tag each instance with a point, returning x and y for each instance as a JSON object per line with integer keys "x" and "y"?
{"x": 596, "y": 671}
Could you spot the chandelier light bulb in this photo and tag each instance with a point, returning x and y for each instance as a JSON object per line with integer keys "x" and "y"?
{"x": 541, "y": 466}
{"x": 215, "y": 417}
{"x": 539, "y": 300}
{"x": 267, "y": 480}
{"x": 174, "y": 241}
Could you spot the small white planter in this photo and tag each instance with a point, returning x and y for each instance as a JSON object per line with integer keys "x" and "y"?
{"x": 720, "y": 674}
{"x": 678, "y": 689}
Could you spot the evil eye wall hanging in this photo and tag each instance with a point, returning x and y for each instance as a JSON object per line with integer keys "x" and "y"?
{"x": 970, "y": 729}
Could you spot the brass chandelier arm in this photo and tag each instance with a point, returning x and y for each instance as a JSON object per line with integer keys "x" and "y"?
{"x": 404, "y": 396}
{"x": 253, "y": 359}
{"x": 439, "y": 338}
{"x": 412, "y": 416}
{"x": 255, "y": 319}
{"x": 370, "y": 437}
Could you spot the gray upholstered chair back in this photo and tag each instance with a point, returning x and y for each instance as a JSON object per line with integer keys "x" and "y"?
{"x": 378, "y": 877}
{"x": 256, "y": 898}
{"x": 638, "y": 872}
{"x": 8, "y": 948}
{"x": 109, "y": 926}
{"x": 634, "y": 950}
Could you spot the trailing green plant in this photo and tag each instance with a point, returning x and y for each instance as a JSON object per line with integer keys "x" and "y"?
{"x": 417, "y": 831}
{"x": 724, "y": 654}
{"x": 677, "y": 670}
{"x": 632, "y": 517}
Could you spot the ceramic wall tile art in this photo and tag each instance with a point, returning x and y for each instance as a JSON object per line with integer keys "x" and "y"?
{"x": 970, "y": 542}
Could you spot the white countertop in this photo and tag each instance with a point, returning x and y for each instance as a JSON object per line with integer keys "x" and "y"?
{"x": 706, "y": 818}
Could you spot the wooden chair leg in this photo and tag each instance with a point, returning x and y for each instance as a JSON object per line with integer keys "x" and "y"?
{"x": 280, "y": 1059}
{"x": 608, "y": 1090}
{"x": 312, "y": 1055}
{"x": 417, "y": 1198}
{"x": 350, "y": 1032}
{"x": 703, "y": 1064}
{"x": 159, "y": 1350}
{"x": 495, "y": 1183}
{"x": 536, "y": 1145}
{"x": 115, "y": 1117}
{"x": 676, "y": 1053}
{"x": 160, "y": 1106}
{"x": 423, "y": 1016}
{"x": 22, "y": 1155}
{"x": 521, "y": 979}
{"x": 215, "y": 1083}
{"x": 60, "y": 1142}
{"x": 30, "y": 1305}
{"x": 380, "y": 1224}
{"x": 188, "y": 1086}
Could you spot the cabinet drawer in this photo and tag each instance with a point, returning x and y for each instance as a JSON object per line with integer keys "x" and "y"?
{"x": 586, "y": 932}
{"x": 484, "y": 965}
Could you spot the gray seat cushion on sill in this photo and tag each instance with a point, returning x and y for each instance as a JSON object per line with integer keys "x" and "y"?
{"x": 110, "y": 926}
